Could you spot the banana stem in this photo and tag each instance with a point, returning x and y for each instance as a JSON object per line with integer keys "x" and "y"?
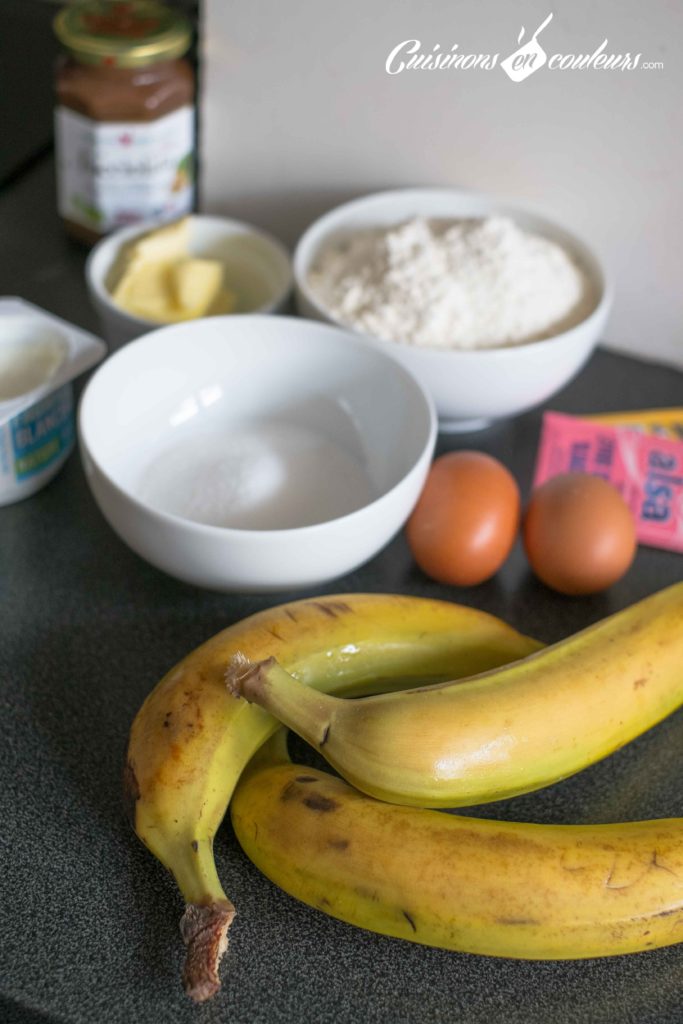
{"x": 267, "y": 684}
{"x": 205, "y": 933}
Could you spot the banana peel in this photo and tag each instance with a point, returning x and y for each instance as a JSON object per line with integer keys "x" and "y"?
{"x": 497, "y": 888}
{"x": 507, "y": 731}
{"x": 191, "y": 740}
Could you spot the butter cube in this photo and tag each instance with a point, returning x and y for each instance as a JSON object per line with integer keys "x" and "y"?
{"x": 147, "y": 291}
{"x": 168, "y": 243}
{"x": 162, "y": 282}
{"x": 196, "y": 285}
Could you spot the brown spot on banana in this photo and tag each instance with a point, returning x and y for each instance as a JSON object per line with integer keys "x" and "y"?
{"x": 315, "y": 802}
{"x": 656, "y": 863}
{"x": 410, "y": 920}
{"x": 131, "y": 792}
{"x": 627, "y": 870}
{"x": 331, "y": 608}
{"x": 338, "y": 844}
{"x": 615, "y": 880}
{"x": 290, "y": 791}
{"x": 366, "y": 893}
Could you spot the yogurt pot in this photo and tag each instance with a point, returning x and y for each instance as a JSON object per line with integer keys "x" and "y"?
{"x": 40, "y": 355}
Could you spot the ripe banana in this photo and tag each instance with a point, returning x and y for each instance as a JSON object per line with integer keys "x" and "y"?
{"x": 492, "y": 887}
{"x": 190, "y": 740}
{"x": 505, "y": 732}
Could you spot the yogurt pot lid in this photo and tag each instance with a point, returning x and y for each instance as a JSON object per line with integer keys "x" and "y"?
{"x": 39, "y": 353}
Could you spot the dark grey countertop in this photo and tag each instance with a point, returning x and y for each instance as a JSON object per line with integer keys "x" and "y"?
{"x": 89, "y": 922}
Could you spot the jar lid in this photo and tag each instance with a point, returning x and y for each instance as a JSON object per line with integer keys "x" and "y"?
{"x": 122, "y": 33}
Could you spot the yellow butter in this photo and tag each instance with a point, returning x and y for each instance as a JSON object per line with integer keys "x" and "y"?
{"x": 167, "y": 243}
{"x": 145, "y": 290}
{"x": 161, "y": 281}
{"x": 196, "y": 284}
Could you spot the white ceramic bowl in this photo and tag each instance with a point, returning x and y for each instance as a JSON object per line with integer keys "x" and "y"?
{"x": 301, "y": 448}
{"x": 470, "y": 388}
{"x": 257, "y": 266}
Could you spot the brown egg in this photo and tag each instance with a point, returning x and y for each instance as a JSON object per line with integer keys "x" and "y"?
{"x": 466, "y": 520}
{"x": 579, "y": 534}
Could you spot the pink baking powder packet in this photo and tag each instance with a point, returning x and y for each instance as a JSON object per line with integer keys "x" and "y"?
{"x": 647, "y": 470}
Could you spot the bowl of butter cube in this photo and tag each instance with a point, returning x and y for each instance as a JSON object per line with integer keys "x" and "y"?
{"x": 147, "y": 275}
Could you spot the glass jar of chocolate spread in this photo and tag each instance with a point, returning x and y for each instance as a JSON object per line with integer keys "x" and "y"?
{"x": 125, "y": 118}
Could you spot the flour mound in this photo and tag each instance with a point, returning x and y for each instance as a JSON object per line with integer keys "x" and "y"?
{"x": 452, "y": 284}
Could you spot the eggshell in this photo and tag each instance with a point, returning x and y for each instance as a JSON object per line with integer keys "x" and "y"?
{"x": 466, "y": 519}
{"x": 579, "y": 534}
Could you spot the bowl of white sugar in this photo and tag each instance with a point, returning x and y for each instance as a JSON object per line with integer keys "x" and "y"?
{"x": 253, "y": 452}
{"x": 492, "y": 307}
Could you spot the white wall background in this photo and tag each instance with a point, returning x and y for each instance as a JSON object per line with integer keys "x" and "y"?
{"x": 299, "y": 114}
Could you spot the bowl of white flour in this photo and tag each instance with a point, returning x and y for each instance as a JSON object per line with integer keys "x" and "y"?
{"x": 493, "y": 308}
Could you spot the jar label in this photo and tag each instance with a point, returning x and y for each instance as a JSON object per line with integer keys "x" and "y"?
{"x": 110, "y": 174}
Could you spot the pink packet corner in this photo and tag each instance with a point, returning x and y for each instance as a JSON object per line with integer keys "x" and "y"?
{"x": 558, "y": 432}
